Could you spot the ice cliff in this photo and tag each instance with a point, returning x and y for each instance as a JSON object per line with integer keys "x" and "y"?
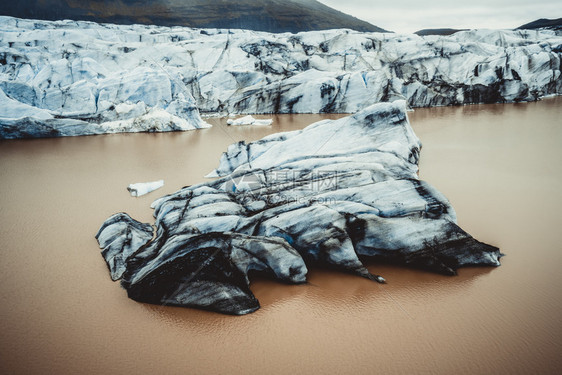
{"x": 333, "y": 194}
{"x": 71, "y": 78}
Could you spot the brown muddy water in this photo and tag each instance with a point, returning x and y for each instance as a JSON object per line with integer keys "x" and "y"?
{"x": 60, "y": 313}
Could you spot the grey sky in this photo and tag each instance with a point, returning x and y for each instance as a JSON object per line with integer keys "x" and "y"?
{"x": 410, "y": 15}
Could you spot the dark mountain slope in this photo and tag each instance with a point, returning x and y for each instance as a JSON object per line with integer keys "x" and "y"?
{"x": 261, "y": 15}
{"x": 543, "y": 23}
{"x": 444, "y": 31}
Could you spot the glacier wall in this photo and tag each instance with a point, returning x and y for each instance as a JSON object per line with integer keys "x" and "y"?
{"x": 71, "y": 78}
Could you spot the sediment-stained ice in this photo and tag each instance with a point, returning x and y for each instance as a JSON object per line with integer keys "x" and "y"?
{"x": 333, "y": 194}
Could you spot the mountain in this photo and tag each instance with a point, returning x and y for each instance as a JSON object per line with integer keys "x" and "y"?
{"x": 543, "y": 23}
{"x": 260, "y": 15}
{"x": 444, "y": 31}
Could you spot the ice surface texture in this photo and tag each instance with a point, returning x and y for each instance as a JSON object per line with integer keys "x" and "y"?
{"x": 71, "y": 78}
{"x": 332, "y": 194}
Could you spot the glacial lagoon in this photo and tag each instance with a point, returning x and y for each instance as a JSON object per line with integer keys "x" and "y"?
{"x": 498, "y": 164}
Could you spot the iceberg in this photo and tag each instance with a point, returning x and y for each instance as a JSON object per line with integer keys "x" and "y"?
{"x": 333, "y": 194}
{"x": 248, "y": 120}
{"x": 141, "y": 188}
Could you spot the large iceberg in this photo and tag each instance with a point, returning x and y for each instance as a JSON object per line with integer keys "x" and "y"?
{"x": 71, "y": 78}
{"x": 333, "y": 194}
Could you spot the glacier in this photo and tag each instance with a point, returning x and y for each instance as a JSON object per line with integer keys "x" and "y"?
{"x": 75, "y": 78}
{"x": 334, "y": 194}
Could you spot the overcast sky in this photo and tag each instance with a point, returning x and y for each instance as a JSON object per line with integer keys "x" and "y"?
{"x": 405, "y": 16}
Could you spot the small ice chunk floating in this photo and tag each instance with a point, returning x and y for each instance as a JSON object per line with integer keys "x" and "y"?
{"x": 141, "y": 188}
{"x": 332, "y": 194}
{"x": 249, "y": 120}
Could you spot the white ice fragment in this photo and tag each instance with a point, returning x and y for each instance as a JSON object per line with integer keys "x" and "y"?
{"x": 142, "y": 188}
{"x": 249, "y": 120}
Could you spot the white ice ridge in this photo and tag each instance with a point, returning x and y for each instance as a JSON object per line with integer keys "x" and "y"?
{"x": 71, "y": 78}
{"x": 141, "y": 188}
{"x": 249, "y": 120}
